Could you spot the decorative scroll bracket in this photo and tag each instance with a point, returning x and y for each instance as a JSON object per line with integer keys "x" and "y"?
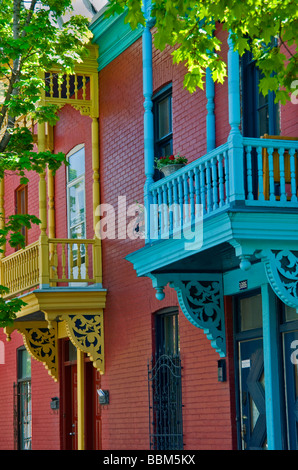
{"x": 200, "y": 297}
{"x": 86, "y": 332}
{"x": 41, "y": 343}
{"x": 282, "y": 273}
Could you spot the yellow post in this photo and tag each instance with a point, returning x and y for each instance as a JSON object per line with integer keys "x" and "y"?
{"x": 51, "y": 216}
{"x": 43, "y": 239}
{"x": 81, "y": 399}
{"x": 97, "y": 265}
{"x": 2, "y": 222}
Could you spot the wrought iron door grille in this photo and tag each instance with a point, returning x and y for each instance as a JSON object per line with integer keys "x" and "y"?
{"x": 22, "y": 415}
{"x": 165, "y": 403}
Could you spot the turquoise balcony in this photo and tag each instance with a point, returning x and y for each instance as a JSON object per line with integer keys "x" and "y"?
{"x": 206, "y": 187}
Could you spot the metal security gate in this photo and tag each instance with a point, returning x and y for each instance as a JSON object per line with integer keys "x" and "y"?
{"x": 22, "y": 415}
{"x": 165, "y": 403}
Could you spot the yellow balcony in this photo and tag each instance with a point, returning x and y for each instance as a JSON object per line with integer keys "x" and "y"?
{"x": 58, "y": 262}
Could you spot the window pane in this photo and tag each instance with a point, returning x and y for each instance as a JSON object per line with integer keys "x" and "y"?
{"x": 164, "y": 118}
{"x": 251, "y": 313}
{"x": 290, "y": 313}
{"x": 24, "y": 361}
{"x": 76, "y": 203}
{"x": 76, "y": 166}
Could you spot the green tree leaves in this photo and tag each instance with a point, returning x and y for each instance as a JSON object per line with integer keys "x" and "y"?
{"x": 33, "y": 40}
{"x": 190, "y": 28}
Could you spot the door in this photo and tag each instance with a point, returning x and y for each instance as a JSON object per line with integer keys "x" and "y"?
{"x": 70, "y": 404}
{"x": 252, "y": 394}
{"x": 290, "y": 343}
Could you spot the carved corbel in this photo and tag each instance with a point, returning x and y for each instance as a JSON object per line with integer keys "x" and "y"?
{"x": 40, "y": 342}
{"x": 282, "y": 273}
{"x": 200, "y": 298}
{"x": 86, "y": 332}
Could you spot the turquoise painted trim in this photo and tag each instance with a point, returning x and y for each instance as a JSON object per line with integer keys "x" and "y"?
{"x": 247, "y": 232}
{"x": 255, "y": 277}
{"x": 271, "y": 370}
{"x": 113, "y": 36}
{"x": 148, "y": 125}
{"x": 210, "y": 118}
{"x": 235, "y": 140}
{"x": 200, "y": 297}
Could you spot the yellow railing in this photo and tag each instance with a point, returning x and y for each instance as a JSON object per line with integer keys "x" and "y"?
{"x": 59, "y": 261}
{"x": 20, "y": 270}
{"x": 70, "y": 260}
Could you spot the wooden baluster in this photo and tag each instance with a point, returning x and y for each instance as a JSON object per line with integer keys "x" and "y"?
{"x": 170, "y": 205}
{"x": 176, "y": 217}
{"x": 203, "y": 187}
{"x": 180, "y": 197}
{"x": 71, "y": 261}
{"x": 191, "y": 195}
{"x": 76, "y": 86}
{"x": 227, "y": 176}
{"x": 220, "y": 179}
{"x": 59, "y": 88}
{"x": 260, "y": 174}
{"x": 165, "y": 211}
{"x": 155, "y": 216}
{"x": 214, "y": 182}
{"x": 51, "y": 85}
{"x": 283, "y": 196}
{"x": 86, "y": 261}
{"x": 185, "y": 199}
{"x": 63, "y": 259}
{"x": 67, "y": 86}
{"x": 79, "y": 261}
{"x": 294, "y": 183}
{"x": 208, "y": 178}
{"x": 271, "y": 174}
{"x": 249, "y": 173}
{"x": 160, "y": 211}
{"x": 84, "y": 87}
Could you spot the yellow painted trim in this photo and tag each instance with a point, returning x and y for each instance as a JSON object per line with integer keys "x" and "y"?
{"x": 40, "y": 342}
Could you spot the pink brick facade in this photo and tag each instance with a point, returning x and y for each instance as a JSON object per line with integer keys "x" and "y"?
{"x": 208, "y": 405}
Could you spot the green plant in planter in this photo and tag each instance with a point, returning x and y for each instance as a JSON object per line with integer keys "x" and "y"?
{"x": 170, "y": 160}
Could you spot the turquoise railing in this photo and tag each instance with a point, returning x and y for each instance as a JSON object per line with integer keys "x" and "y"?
{"x": 181, "y": 199}
{"x": 271, "y": 176}
{"x": 266, "y": 171}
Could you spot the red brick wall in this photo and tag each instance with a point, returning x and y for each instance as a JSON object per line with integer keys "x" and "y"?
{"x": 45, "y": 422}
{"x": 131, "y": 301}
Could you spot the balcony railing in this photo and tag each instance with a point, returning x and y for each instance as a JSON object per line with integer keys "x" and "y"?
{"x": 265, "y": 172}
{"x": 67, "y": 263}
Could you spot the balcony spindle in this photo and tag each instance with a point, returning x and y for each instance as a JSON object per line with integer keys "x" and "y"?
{"x": 249, "y": 173}
{"x": 260, "y": 174}
{"x": 79, "y": 262}
{"x": 71, "y": 261}
{"x": 186, "y": 199}
{"x": 202, "y": 185}
{"x": 176, "y": 205}
{"x": 165, "y": 210}
{"x": 220, "y": 179}
{"x": 155, "y": 216}
{"x": 86, "y": 262}
{"x": 294, "y": 183}
{"x": 214, "y": 182}
{"x": 191, "y": 195}
{"x": 283, "y": 196}
{"x": 271, "y": 174}
{"x": 170, "y": 205}
{"x": 63, "y": 261}
{"x": 209, "y": 196}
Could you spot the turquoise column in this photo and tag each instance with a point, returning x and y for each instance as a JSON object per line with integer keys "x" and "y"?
{"x": 210, "y": 118}
{"x": 271, "y": 370}
{"x": 148, "y": 118}
{"x": 235, "y": 141}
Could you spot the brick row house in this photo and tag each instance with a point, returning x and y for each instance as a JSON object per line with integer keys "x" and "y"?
{"x": 160, "y": 311}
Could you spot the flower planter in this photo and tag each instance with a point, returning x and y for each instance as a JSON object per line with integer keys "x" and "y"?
{"x": 169, "y": 169}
